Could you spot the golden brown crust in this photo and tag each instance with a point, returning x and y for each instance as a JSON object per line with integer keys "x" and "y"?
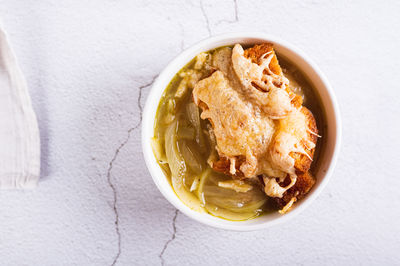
{"x": 297, "y": 100}
{"x": 223, "y": 166}
{"x": 305, "y": 181}
{"x": 303, "y": 162}
{"x": 255, "y": 53}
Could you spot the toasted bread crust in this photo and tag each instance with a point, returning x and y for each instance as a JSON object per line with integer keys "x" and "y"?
{"x": 304, "y": 183}
{"x": 257, "y": 51}
{"x": 305, "y": 180}
{"x": 223, "y": 166}
{"x": 303, "y": 162}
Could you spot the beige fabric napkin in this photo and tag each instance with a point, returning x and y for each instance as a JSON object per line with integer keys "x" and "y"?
{"x": 19, "y": 134}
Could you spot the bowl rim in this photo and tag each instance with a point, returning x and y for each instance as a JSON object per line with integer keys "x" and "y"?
{"x": 148, "y": 121}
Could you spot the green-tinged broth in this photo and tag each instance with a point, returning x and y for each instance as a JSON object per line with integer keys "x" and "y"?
{"x": 183, "y": 145}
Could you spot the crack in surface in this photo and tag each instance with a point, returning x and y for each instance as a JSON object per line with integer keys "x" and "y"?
{"x": 110, "y": 166}
{"x": 236, "y": 17}
{"x": 140, "y": 104}
{"x": 115, "y": 203}
{"x": 205, "y": 17}
{"x": 169, "y": 240}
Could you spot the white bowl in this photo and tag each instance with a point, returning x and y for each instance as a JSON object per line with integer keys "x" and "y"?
{"x": 332, "y": 135}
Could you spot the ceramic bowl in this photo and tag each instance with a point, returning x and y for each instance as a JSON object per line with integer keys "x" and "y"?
{"x": 332, "y": 134}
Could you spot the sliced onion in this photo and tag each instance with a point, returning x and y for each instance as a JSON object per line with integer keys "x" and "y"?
{"x": 195, "y": 184}
{"x": 250, "y": 201}
{"x": 158, "y": 150}
{"x": 229, "y": 215}
{"x": 193, "y": 114}
{"x": 178, "y": 169}
{"x": 236, "y": 185}
{"x": 182, "y": 88}
{"x": 203, "y": 178}
{"x": 213, "y": 155}
{"x": 186, "y": 133}
{"x": 191, "y": 156}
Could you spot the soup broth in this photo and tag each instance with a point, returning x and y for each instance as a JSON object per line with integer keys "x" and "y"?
{"x": 184, "y": 145}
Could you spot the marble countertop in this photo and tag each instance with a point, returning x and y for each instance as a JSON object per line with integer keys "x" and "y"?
{"x": 89, "y": 66}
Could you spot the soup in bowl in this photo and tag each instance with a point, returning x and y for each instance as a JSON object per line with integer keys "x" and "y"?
{"x": 241, "y": 132}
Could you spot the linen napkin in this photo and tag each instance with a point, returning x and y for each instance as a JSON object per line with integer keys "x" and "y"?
{"x": 19, "y": 133}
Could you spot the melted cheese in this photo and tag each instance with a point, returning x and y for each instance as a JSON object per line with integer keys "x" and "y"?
{"x": 273, "y": 189}
{"x": 239, "y": 130}
{"x": 292, "y": 136}
{"x": 272, "y": 99}
{"x": 260, "y": 126}
{"x": 236, "y": 185}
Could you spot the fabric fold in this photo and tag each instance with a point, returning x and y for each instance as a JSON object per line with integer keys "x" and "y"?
{"x": 19, "y": 133}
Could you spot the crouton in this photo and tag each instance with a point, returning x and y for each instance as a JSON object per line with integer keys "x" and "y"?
{"x": 223, "y": 166}
{"x": 302, "y": 161}
{"x": 304, "y": 183}
{"x": 256, "y": 52}
{"x": 299, "y": 125}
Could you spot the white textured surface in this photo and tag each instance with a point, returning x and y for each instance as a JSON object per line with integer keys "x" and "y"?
{"x": 89, "y": 65}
